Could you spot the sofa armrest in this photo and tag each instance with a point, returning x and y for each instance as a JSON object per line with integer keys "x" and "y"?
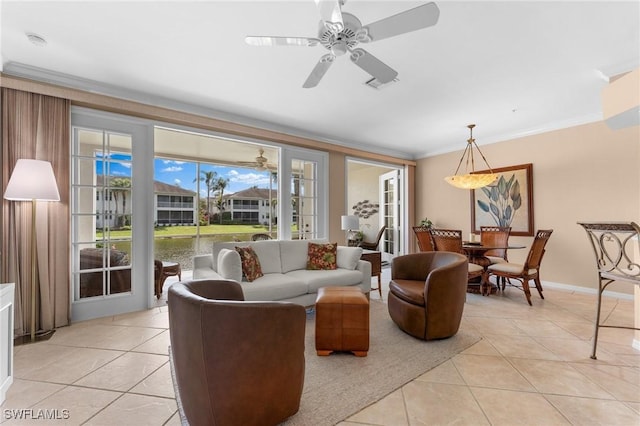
{"x": 202, "y": 261}
{"x": 203, "y": 267}
{"x": 365, "y": 267}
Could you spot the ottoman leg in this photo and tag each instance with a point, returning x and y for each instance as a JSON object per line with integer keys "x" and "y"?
{"x": 324, "y": 353}
{"x": 359, "y": 353}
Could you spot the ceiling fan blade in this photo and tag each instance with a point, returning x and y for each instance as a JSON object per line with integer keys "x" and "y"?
{"x": 280, "y": 41}
{"x": 404, "y": 22}
{"x": 331, "y": 14}
{"x": 374, "y": 66}
{"x": 318, "y": 71}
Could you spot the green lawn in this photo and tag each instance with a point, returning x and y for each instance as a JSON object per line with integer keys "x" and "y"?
{"x": 174, "y": 231}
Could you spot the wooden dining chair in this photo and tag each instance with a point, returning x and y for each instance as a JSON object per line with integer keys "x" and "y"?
{"x": 527, "y": 271}
{"x": 496, "y": 236}
{"x": 451, "y": 240}
{"x": 424, "y": 238}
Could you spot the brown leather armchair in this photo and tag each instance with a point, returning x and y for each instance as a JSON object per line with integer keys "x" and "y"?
{"x": 427, "y": 293}
{"x": 234, "y": 362}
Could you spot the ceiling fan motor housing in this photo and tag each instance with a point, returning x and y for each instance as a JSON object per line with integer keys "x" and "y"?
{"x": 339, "y": 43}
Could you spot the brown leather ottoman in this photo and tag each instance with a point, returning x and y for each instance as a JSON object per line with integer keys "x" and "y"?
{"x": 342, "y": 321}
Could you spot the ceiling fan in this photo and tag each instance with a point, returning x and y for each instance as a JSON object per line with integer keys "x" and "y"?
{"x": 261, "y": 162}
{"x": 340, "y": 32}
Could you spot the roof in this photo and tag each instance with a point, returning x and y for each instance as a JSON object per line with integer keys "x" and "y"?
{"x": 165, "y": 188}
{"x": 158, "y": 187}
{"x": 253, "y": 192}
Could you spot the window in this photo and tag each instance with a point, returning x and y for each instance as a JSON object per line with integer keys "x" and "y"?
{"x": 101, "y": 164}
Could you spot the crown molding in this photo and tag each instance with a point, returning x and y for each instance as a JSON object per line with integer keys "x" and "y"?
{"x": 91, "y": 86}
{"x": 547, "y": 127}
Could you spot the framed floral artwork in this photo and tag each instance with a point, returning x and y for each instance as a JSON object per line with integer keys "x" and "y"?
{"x": 506, "y": 202}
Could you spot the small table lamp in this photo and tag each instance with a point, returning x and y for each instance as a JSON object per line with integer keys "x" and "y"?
{"x": 32, "y": 180}
{"x": 349, "y": 223}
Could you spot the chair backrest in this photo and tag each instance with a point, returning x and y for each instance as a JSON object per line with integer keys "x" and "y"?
{"x": 613, "y": 246}
{"x": 380, "y": 232}
{"x": 260, "y": 237}
{"x": 373, "y": 245}
{"x": 424, "y": 238}
{"x": 495, "y": 236}
{"x": 534, "y": 258}
{"x": 447, "y": 240}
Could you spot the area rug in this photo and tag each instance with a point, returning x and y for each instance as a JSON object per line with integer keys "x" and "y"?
{"x": 340, "y": 385}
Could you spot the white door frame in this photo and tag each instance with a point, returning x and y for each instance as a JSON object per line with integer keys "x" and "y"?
{"x": 141, "y": 295}
{"x": 402, "y": 193}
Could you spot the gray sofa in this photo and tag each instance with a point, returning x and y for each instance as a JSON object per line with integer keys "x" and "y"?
{"x": 284, "y": 265}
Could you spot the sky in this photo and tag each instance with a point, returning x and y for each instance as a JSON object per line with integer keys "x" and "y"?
{"x": 183, "y": 174}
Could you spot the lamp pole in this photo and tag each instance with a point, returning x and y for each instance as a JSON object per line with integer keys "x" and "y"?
{"x": 34, "y": 269}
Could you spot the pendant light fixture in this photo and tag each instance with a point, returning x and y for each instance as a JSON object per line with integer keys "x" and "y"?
{"x": 471, "y": 180}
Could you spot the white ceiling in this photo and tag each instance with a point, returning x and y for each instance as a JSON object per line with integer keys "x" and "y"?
{"x": 513, "y": 68}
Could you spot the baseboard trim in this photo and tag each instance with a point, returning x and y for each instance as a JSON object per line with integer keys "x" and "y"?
{"x": 586, "y": 290}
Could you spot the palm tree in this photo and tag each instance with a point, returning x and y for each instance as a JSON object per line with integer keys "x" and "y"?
{"x": 220, "y": 186}
{"x": 119, "y": 187}
{"x": 209, "y": 179}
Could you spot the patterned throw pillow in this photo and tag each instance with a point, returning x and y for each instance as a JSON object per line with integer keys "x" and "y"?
{"x": 322, "y": 256}
{"x": 250, "y": 264}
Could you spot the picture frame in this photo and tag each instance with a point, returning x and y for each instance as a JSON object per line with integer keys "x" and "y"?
{"x": 506, "y": 202}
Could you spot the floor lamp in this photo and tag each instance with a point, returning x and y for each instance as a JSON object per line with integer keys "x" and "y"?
{"x": 32, "y": 180}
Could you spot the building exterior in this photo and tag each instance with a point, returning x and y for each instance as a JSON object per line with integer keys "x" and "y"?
{"x": 173, "y": 205}
{"x": 251, "y": 205}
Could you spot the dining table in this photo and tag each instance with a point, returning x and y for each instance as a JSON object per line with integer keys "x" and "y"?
{"x": 476, "y": 252}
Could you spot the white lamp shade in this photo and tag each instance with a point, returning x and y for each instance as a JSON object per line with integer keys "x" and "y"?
{"x": 32, "y": 180}
{"x": 349, "y": 222}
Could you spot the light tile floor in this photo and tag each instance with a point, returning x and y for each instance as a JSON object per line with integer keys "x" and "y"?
{"x": 532, "y": 366}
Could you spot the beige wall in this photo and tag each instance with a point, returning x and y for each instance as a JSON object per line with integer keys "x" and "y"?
{"x": 583, "y": 173}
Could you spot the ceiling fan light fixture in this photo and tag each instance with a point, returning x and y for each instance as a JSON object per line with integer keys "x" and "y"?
{"x": 339, "y": 48}
{"x": 471, "y": 180}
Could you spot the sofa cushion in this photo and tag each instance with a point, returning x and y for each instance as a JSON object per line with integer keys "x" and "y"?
{"x": 293, "y": 255}
{"x": 250, "y": 264}
{"x": 322, "y": 256}
{"x": 326, "y": 278}
{"x": 230, "y": 265}
{"x": 348, "y": 257}
{"x": 269, "y": 255}
{"x": 274, "y": 287}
